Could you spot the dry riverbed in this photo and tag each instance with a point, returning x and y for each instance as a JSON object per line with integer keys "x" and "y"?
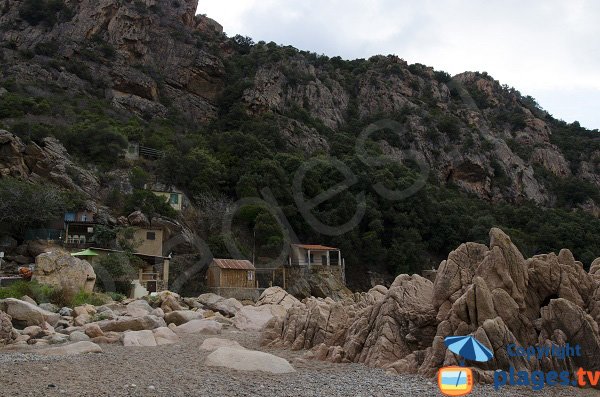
{"x": 178, "y": 370}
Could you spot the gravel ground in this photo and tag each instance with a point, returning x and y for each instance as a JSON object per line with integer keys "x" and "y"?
{"x": 178, "y": 370}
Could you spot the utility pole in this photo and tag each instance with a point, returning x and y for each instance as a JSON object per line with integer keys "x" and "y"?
{"x": 1, "y": 256}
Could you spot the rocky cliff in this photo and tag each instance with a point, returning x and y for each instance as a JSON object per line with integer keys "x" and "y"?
{"x": 231, "y": 117}
{"x": 490, "y": 292}
{"x": 149, "y": 56}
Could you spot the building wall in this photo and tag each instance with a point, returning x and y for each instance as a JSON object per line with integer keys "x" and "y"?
{"x": 230, "y": 278}
{"x": 147, "y": 246}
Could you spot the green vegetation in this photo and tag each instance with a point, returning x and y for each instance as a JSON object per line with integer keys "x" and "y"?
{"x": 26, "y": 205}
{"x": 149, "y": 203}
{"x": 238, "y": 155}
{"x": 48, "y": 12}
{"x": 43, "y": 293}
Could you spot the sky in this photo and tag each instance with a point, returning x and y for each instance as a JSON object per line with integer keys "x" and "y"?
{"x": 549, "y": 49}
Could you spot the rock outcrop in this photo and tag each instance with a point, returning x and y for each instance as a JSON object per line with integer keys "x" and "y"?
{"x": 493, "y": 293}
{"x": 62, "y": 270}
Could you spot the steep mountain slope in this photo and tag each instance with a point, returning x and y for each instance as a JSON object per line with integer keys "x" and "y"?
{"x": 235, "y": 117}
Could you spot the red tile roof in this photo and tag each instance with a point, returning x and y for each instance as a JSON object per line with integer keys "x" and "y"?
{"x": 234, "y": 264}
{"x": 316, "y": 247}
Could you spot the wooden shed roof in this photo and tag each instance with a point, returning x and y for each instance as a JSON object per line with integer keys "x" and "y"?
{"x": 233, "y": 264}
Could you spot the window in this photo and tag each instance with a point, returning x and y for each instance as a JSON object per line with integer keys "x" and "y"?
{"x": 150, "y": 236}
{"x": 174, "y": 199}
{"x": 90, "y": 230}
{"x": 250, "y": 276}
{"x": 84, "y": 218}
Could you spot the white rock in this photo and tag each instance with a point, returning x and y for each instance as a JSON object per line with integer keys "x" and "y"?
{"x": 248, "y": 360}
{"x": 138, "y": 308}
{"x": 165, "y": 336}
{"x": 139, "y": 338}
{"x": 200, "y": 327}
{"x": 212, "y": 344}
{"x": 254, "y": 318}
{"x": 26, "y": 314}
{"x": 74, "y": 348}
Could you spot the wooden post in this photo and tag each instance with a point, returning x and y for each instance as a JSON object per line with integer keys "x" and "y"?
{"x": 166, "y": 273}
{"x": 308, "y": 257}
{"x": 327, "y": 258}
{"x": 339, "y": 258}
{"x": 284, "y": 277}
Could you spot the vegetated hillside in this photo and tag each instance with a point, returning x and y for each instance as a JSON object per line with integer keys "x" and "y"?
{"x": 235, "y": 117}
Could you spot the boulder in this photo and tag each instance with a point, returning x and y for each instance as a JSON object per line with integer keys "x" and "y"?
{"x": 277, "y": 296}
{"x": 183, "y": 316}
{"x": 34, "y": 331}
{"x": 165, "y": 336}
{"x": 139, "y": 308}
{"x": 61, "y": 269}
{"x": 78, "y": 336}
{"x": 71, "y": 349}
{"x": 251, "y": 318}
{"x": 139, "y": 338}
{"x": 137, "y": 218}
{"x": 212, "y": 344}
{"x": 208, "y": 327}
{"x": 65, "y": 312}
{"x": 24, "y": 314}
{"x": 48, "y": 307}
{"x": 228, "y": 307}
{"x": 82, "y": 319}
{"x": 93, "y": 330}
{"x": 26, "y": 298}
{"x": 7, "y": 334}
{"x": 126, "y": 323}
{"x": 86, "y": 309}
{"x": 107, "y": 338}
{"x": 248, "y": 360}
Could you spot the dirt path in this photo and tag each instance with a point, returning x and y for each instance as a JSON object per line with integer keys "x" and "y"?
{"x": 178, "y": 370}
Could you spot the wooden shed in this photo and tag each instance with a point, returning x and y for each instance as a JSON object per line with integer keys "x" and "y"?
{"x": 231, "y": 273}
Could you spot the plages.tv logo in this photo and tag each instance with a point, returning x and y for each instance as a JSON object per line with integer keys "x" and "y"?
{"x": 458, "y": 381}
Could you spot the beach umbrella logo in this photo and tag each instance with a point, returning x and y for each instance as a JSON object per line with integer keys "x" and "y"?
{"x": 469, "y": 348}
{"x": 458, "y": 381}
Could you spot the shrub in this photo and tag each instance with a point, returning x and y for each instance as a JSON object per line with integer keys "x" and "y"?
{"x": 48, "y": 12}
{"x": 91, "y": 298}
{"x": 41, "y": 293}
{"x": 149, "y": 203}
{"x": 48, "y": 49}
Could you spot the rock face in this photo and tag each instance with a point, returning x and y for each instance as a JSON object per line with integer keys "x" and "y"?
{"x": 133, "y": 34}
{"x": 277, "y": 296}
{"x": 248, "y": 360}
{"x": 67, "y": 272}
{"x": 490, "y": 292}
